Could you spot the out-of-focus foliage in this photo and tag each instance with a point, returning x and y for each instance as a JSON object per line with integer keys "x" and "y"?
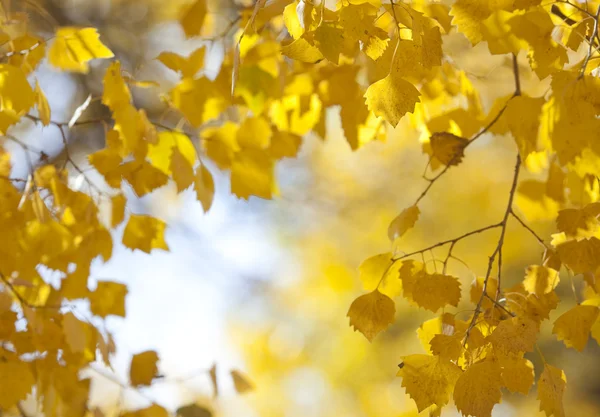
{"x": 287, "y": 67}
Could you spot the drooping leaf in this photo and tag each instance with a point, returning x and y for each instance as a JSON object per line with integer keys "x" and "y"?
{"x": 371, "y": 313}
{"x": 550, "y": 390}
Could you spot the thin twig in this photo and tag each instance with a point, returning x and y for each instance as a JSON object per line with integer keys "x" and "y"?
{"x": 492, "y": 258}
{"x": 445, "y": 242}
{"x": 533, "y": 233}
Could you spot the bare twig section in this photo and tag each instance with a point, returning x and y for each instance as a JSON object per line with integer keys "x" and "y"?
{"x": 529, "y": 229}
{"x": 452, "y": 241}
{"x": 515, "y": 63}
{"x": 498, "y": 249}
{"x": 500, "y": 306}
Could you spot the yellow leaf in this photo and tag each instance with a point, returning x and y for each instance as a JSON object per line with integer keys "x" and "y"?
{"x": 580, "y": 255}
{"x": 429, "y": 380}
{"x": 192, "y": 18}
{"x": 16, "y": 381}
{"x": 154, "y": 410}
{"x": 517, "y": 374}
{"x": 73, "y": 48}
{"x": 144, "y": 233}
{"x": 535, "y": 307}
{"x": 302, "y": 50}
{"x": 183, "y": 171}
{"x": 116, "y": 94}
{"x": 193, "y": 410}
{"x": 447, "y": 148}
{"x": 540, "y": 279}
{"x": 498, "y": 34}
{"x": 515, "y": 335}
{"x": 392, "y": 97}
{"x": 575, "y": 222}
{"x": 108, "y": 298}
{"x": 74, "y": 331}
{"x": 187, "y": 67}
{"x": 42, "y": 105}
{"x": 17, "y": 96}
{"x": 536, "y": 27}
{"x": 436, "y": 291}
{"x": 143, "y": 177}
{"x": 293, "y": 22}
{"x": 160, "y": 154}
{"x": 254, "y": 132}
{"x": 468, "y": 17}
{"x": 329, "y": 39}
{"x": 403, "y": 222}
{"x": 118, "y": 209}
{"x": 439, "y": 325}
{"x": 476, "y": 291}
{"x": 36, "y": 51}
{"x": 220, "y": 144}
{"x": 143, "y": 368}
{"x": 478, "y": 389}
{"x": 551, "y": 388}
{"x": 204, "y": 187}
{"x": 241, "y": 382}
{"x": 190, "y": 97}
{"x": 381, "y": 272}
{"x": 107, "y": 162}
{"x": 358, "y": 23}
{"x": 448, "y": 346}
{"x": 574, "y": 326}
{"x": 371, "y": 313}
{"x": 252, "y": 174}
{"x": 523, "y": 119}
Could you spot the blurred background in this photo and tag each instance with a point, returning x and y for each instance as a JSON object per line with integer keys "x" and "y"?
{"x": 264, "y": 286}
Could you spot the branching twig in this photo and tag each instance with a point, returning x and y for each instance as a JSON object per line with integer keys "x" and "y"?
{"x": 498, "y": 249}
{"x": 445, "y": 242}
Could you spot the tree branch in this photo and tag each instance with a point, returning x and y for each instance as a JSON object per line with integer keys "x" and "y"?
{"x": 498, "y": 249}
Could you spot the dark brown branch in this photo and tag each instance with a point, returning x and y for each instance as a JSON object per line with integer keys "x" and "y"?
{"x": 445, "y": 242}
{"x": 498, "y": 249}
{"x": 533, "y": 233}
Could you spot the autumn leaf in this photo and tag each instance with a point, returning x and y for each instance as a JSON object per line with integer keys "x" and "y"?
{"x": 477, "y": 390}
{"x": 144, "y": 233}
{"x": 192, "y": 18}
{"x": 204, "y": 186}
{"x": 515, "y": 335}
{"x": 193, "y": 410}
{"x": 143, "y": 368}
{"x": 241, "y": 382}
{"x": 403, "y": 222}
{"x": 429, "y": 380}
{"x": 73, "y": 48}
{"x": 108, "y": 299}
{"x": 371, "y": 313}
{"x": 540, "y": 279}
{"x": 517, "y": 374}
{"x": 574, "y": 326}
{"x": 42, "y": 105}
{"x": 447, "y": 148}
{"x": 16, "y": 381}
{"x": 154, "y": 410}
{"x": 550, "y": 391}
{"x": 435, "y": 291}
